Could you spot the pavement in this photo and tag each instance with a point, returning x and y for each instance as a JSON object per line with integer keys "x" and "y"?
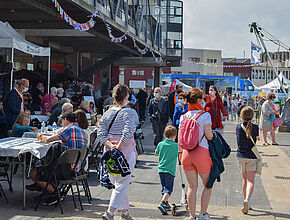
{"x": 270, "y": 200}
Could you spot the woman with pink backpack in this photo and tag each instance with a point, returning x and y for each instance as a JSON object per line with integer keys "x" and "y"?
{"x": 194, "y": 131}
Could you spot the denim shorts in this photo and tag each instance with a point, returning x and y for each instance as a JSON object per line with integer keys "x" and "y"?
{"x": 167, "y": 181}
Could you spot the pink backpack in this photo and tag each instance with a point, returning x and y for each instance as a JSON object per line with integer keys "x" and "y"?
{"x": 188, "y": 137}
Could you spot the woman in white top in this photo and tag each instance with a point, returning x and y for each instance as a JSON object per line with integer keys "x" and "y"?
{"x": 198, "y": 161}
{"x": 120, "y": 136}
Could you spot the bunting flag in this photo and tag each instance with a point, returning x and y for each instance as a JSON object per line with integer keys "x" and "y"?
{"x": 225, "y": 65}
{"x": 91, "y": 23}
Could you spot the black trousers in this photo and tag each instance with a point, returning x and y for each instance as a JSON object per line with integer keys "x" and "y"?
{"x": 158, "y": 130}
{"x": 142, "y": 111}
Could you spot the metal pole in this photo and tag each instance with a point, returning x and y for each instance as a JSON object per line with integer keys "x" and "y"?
{"x": 11, "y": 73}
{"x": 271, "y": 62}
{"x": 48, "y": 75}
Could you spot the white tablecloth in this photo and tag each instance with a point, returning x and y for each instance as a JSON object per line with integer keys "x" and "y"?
{"x": 40, "y": 118}
{"x": 13, "y": 146}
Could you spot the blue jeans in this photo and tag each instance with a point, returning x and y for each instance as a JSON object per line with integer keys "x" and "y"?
{"x": 167, "y": 181}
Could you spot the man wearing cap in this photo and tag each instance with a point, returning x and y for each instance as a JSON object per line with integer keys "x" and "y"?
{"x": 173, "y": 98}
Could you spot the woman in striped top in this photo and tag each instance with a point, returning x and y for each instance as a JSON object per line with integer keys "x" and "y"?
{"x": 120, "y": 136}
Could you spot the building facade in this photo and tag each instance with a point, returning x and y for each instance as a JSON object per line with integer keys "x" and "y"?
{"x": 200, "y": 61}
{"x": 237, "y": 67}
{"x": 264, "y": 74}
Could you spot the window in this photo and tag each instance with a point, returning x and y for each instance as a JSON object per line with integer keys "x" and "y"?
{"x": 253, "y": 74}
{"x": 263, "y": 76}
{"x": 174, "y": 52}
{"x": 138, "y": 72}
{"x": 228, "y": 74}
{"x": 194, "y": 59}
{"x": 175, "y": 19}
{"x": 243, "y": 75}
{"x": 211, "y": 60}
{"x": 174, "y": 35}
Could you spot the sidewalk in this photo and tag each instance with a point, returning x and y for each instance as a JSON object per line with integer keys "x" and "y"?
{"x": 270, "y": 199}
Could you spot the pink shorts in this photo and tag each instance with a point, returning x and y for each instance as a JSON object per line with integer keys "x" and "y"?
{"x": 198, "y": 159}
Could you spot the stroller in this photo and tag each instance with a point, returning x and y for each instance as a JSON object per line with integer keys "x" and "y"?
{"x": 95, "y": 150}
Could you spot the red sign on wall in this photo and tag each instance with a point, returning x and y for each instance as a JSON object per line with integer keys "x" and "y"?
{"x": 59, "y": 68}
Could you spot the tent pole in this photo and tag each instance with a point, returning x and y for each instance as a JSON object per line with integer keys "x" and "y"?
{"x": 11, "y": 73}
{"x": 48, "y": 75}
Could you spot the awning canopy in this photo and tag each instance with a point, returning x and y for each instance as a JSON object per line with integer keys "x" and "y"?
{"x": 275, "y": 83}
{"x": 9, "y": 38}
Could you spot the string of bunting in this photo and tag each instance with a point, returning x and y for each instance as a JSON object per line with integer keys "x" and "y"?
{"x": 223, "y": 65}
{"x": 91, "y": 23}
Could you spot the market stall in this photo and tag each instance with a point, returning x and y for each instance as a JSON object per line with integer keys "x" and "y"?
{"x": 9, "y": 38}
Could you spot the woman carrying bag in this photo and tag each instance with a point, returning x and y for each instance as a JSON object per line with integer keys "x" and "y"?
{"x": 120, "y": 135}
{"x": 249, "y": 159}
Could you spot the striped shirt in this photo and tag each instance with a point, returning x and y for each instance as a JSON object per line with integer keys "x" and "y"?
{"x": 123, "y": 125}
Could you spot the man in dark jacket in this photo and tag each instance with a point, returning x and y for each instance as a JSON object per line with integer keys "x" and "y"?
{"x": 142, "y": 97}
{"x": 15, "y": 103}
{"x": 173, "y": 98}
{"x": 57, "y": 112}
{"x": 158, "y": 114}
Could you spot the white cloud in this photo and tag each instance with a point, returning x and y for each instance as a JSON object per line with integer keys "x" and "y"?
{"x": 223, "y": 24}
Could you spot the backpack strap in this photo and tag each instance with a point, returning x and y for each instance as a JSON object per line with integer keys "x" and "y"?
{"x": 197, "y": 115}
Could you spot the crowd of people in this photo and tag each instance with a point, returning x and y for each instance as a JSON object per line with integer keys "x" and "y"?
{"x": 168, "y": 115}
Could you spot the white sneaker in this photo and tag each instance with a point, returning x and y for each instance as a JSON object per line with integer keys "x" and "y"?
{"x": 107, "y": 216}
{"x": 126, "y": 217}
{"x": 204, "y": 217}
{"x": 192, "y": 218}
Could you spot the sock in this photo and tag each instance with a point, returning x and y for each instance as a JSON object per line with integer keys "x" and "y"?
{"x": 247, "y": 200}
{"x": 111, "y": 213}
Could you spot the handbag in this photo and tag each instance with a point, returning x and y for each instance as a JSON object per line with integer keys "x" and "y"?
{"x": 272, "y": 117}
{"x": 278, "y": 122}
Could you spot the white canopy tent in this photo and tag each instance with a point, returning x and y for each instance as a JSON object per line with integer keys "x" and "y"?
{"x": 167, "y": 87}
{"x": 9, "y": 38}
{"x": 275, "y": 83}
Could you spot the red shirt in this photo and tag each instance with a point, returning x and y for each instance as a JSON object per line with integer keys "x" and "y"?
{"x": 214, "y": 108}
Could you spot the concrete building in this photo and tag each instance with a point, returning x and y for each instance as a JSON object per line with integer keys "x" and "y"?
{"x": 264, "y": 73}
{"x": 237, "y": 67}
{"x": 91, "y": 55}
{"x": 200, "y": 61}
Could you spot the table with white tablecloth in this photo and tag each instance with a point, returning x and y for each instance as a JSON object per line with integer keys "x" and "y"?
{"x": 14, "y": 147}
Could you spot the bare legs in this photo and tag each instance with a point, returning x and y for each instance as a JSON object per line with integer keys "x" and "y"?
{"x": 192, "y": 178}
{"x": 248, "y": 183}
{"x": 42, "y": 184}
{"x": 272, "y": 136}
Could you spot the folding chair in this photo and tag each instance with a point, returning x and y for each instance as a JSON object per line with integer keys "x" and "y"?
{"x": 5, "y": 174}
{"x": 2, "y": 194}
{"x": 83, "y": 174}
{"x": 67, "y": 158}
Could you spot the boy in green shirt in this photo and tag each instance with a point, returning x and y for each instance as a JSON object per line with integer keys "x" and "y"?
{"x": 167, "y": 151}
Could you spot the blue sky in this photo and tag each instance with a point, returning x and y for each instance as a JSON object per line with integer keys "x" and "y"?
{"x": 223, "y": 24}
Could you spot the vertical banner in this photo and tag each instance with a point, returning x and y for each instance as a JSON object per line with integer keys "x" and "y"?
{"x": 172, "y": 87}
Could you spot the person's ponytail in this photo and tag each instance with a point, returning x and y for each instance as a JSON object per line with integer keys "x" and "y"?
{"x": 249, "y": 129}
{"x": 247, "y": 114}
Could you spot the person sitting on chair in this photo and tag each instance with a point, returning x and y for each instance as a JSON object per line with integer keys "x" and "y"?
{"x": 74, "y": 138}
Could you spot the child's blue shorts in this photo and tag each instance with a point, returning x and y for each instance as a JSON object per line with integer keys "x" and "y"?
{"x": 167, "y": 181}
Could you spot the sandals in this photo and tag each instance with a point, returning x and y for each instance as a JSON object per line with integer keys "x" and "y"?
{"x": 266, "y": 144}
{"x": 275, "y": 144}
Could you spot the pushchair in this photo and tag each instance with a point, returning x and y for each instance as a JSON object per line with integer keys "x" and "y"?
{"x": 95, "y": 150}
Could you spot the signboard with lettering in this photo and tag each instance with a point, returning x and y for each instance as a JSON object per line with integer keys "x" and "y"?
{"x": 137, "y": 84}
